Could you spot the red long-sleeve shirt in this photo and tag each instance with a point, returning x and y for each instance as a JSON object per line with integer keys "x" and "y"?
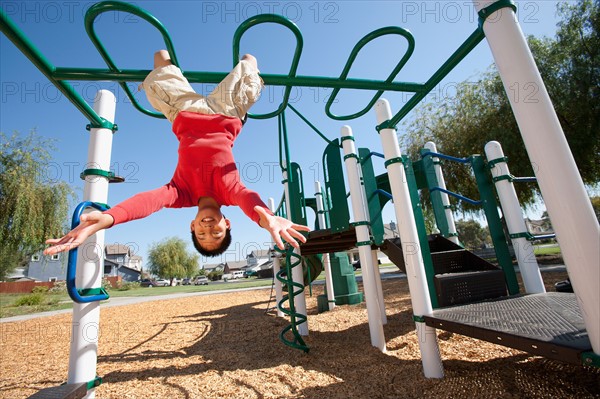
{"x": 205, "y": 168}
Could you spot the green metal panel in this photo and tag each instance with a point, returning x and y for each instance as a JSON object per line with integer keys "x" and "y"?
{"x": 339, "y": 214}
{"x": 490, "y": 207}
{"x": 420, "y": 174}
{"x": 428, "y": 171}
{"x": 420, "y": 222}
{"x": 373, "y": 203}
{"x": 296, "y": 190}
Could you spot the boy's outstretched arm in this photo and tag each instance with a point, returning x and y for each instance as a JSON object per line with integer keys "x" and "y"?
{"x": 280, "y": 227}
{"x": 90, "y": 224}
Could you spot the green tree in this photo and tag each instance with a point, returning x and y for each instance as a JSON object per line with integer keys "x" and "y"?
{"x": 480, "y": 111}
{"x": 170, "y": 259}
{"x": 471, "y": 234}
{"x": 32, "y": 207}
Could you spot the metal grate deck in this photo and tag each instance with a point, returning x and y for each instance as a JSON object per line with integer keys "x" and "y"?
{"x": 548, "y": 325}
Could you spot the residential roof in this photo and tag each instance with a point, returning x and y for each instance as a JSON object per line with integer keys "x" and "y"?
{"x": 262, "y": 253}
{"x": 117, "y": 249}
{"x": 236, "y": 265}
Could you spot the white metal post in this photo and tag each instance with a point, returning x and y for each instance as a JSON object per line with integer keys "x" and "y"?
{"x": 528, "y": 266}
{"x": 363, "y": 237}
{"x": 377, "y": 278}
{"x": 297, "y": 274}
{"x": 276, "y": 268}
{"x": 415, "y": 269}
{"x": 326, "y": 263}
{"x": 90, "y": 260}
{"x": 566, "y": 199}
{"x": 445, "y": 200}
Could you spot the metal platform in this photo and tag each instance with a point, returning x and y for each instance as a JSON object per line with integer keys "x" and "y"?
{"x": 548, "y": 325}
{"x": 67, "y": 391}
{"x": 327, "y": 241}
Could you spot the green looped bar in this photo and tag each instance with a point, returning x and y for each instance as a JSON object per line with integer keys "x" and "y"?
{"x": 393, "y": 160}
{"x": 351, "y": 156}
{"x": 360, "y": 223}
{"x": 493, "y": 162}
{"x": 364, "y": 243}
{"x": 418, "y": 319}
{"x": 510, "y": 178}
{"x": 484, "y": 13}
{"x": 347, "y": 138}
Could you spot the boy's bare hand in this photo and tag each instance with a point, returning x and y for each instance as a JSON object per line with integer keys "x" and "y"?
{"x": 280, "y": 227}
{"x": 90, "y": 224}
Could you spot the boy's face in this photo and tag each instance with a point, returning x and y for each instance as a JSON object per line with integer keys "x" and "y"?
{"x": 210, "y": 227}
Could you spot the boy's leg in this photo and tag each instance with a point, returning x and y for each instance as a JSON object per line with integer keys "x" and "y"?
{"x": 168, "y": 90}
{"x": 239, "y": 90}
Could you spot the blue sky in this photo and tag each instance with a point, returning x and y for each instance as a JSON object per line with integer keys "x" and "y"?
{"x": 145, "y": 150}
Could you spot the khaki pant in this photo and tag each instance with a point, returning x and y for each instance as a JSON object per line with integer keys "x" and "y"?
{"x": 169, "y": 92}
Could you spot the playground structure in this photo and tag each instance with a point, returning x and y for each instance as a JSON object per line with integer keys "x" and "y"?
{"x": 431, "y": 290}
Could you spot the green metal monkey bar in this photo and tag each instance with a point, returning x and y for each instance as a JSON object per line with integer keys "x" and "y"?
{"x": 60, "y": 76}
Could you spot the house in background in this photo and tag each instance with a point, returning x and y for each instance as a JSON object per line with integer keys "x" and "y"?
{"x": 48, "y": 268}
{"x": 118, "y": 261}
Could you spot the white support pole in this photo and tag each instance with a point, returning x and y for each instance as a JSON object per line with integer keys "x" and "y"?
{"x": 90, "y": 260}
{"x": 377, "y": 275}
{"x": 276, "y": 268}
{"x": 566, "y": 199}
{"x": 445, "y": 200}
{"x": 363, "y": 237}
{"x": 415, "y": 269}
{"x": 511, "y": 209}
{"x": 297, "y": 274}
{"x": 326, "y": 263}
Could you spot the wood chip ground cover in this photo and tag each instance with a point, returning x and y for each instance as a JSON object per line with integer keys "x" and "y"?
{"x": 227, "y": 346}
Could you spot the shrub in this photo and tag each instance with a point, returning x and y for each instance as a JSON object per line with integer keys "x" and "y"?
{"x": 60, "y": 287}
{"x": 128, "y": 285}
{"x": 30, "y": 300}
{"x": 39, "y": 289}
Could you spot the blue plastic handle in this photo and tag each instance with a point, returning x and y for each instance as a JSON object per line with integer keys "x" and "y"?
{"x": 74, "y": 293}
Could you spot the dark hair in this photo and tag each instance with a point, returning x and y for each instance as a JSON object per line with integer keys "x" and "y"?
{"x": 213, "y": 252}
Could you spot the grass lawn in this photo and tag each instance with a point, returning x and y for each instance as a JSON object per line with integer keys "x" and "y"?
{"x": 8, "y": 302}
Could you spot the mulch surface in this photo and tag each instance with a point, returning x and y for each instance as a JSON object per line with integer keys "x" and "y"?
{"x": 227, "y": 346}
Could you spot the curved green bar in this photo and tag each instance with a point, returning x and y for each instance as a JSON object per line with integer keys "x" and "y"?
{"x": 277, "y": 19}
{"x": 107, "y": 6}
{"x": 390, "y": 30}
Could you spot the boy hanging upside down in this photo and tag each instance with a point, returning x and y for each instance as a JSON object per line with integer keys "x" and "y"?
{"x": 206, "y": 175}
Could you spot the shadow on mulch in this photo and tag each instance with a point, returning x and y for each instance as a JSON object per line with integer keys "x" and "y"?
{"x": 242, "y": 337}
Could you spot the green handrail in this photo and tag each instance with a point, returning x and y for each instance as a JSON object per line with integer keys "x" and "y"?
{"x": 277, "y": 19}
{"x": 99, "y": 8}
{"x": 390, "y": 30}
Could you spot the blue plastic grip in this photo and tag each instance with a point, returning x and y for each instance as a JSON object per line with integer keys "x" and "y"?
{"x": 72, "y": 290}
